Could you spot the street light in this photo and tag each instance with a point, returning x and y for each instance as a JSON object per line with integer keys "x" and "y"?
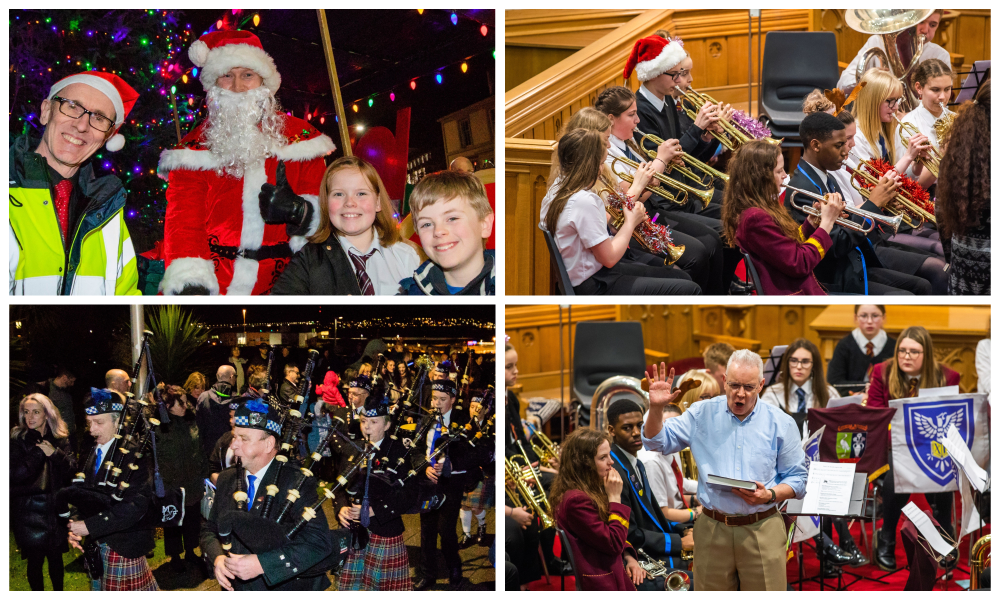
{"x": 244, "y": 326}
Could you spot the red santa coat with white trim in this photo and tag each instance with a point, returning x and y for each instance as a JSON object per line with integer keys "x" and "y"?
{"x": 206, "y": 208}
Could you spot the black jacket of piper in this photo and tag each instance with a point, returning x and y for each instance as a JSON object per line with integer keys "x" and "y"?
{"x": 308, "y": 547}
{"x": 119, "y": 525}
{"x": 647, "y": 527}
{"x": 389, "y": 502}
{"x": 463, "y": 456}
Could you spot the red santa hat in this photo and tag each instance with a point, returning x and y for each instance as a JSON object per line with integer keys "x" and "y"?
{"x": 122, "y": 97}
{"x": 217, "y": 52}
{"x": 653, "y": 56}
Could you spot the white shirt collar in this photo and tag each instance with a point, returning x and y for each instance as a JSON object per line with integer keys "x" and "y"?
{"x": 631, "y": 459}
{"x": 446, "y": 418}
{"x": 807, "y": 387}
{"x": 815, "y": 168}
{"x": 259, "y": 475}
{"x": 378, "y": 444}
{"x": 349, "y": 247}
{"x": 878, "y": 342}
{"x": 617, "y": 143}
{"x": 105, "y": 447}
{"x": 656, "y": 102}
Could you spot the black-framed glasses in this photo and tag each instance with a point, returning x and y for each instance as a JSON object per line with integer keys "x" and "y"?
{"x": 675, "y": 76}
{"x": 893, "y": 102}
{"x": 908, "y": 352}
{"x": 804, "y": 363}
{"x": 72, "y": 109}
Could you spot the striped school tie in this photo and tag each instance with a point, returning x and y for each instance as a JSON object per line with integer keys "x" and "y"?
{"x": 364, "y": 282}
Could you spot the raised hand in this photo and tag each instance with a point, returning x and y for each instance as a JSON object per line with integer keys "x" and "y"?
{"x": 660, "y": 385}
{"x": 280, "y": 204}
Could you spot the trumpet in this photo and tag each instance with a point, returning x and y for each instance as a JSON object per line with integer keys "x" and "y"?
{"x": 674, "y": 581}
{"x": 933, "y": 160}
{"x": 525, "y": 480}
{"x": 890, "y": 222}
{"x": 738, "y": 130}
{"x": 652, "y": 237}
{"x": 546, "y": 449}
{"x": 690, "y": 160}
{"x": 904, "y": 204}
{"x": 704, "y": 195}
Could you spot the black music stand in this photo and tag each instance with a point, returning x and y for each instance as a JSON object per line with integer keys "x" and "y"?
{"x": 856, "y": 509}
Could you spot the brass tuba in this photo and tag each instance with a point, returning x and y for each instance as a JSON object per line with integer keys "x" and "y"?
{"x": 903, "y": 46}
{"x": 611, "y": 389}
{"x": 978, "y": 561}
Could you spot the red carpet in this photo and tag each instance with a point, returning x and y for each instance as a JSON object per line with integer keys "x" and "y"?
{"x": 890, "y": 582}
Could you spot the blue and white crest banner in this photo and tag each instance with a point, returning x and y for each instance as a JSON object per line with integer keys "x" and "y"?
{"x": 920, "y": 462}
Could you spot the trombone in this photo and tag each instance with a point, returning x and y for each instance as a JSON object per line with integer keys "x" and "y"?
{"x": 704, "y": 195}
{"x": 933, "y": 160}
{"x": 690, "y": 160}
{"x": 903, "y": 205}
{"x": 891, "y": 222}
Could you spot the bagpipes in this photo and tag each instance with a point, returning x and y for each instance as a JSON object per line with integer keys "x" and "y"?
{"x": 133, "y": 438}
{"x": 464, "y": 383}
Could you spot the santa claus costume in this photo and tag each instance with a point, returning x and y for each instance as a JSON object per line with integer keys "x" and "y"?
{"x": 215, "y": 238}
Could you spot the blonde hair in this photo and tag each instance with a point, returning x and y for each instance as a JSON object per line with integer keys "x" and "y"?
{"x": 53, "y": 420}
{"x": 817, "y": 102}
{"x": 587, "y": 118}
{"x": 385, "y": 224}
{"x": 194, "y": 380}
{"x": 879, "y": 85}
{"x": 448, "y": 185}
{"x": 708, "y": 385}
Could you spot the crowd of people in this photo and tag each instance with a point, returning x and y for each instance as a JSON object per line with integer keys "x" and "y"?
{"x": 252, "y": 207}
{"x": 666, "y": 156}
{"x": 253, "y": 432}
{"x": 634, "y": 502}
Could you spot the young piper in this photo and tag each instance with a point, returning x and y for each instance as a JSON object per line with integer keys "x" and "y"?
{"x": 449, "y": 474}
{"x": 453, "y": 217}
{"x": 357, "y": 249}
{"x": 382, "y": 564}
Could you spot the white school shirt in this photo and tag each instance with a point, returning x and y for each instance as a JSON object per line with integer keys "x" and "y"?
{"x": 582, "y": 225}
{"x": 878, "y": 342}
{"x": 387, "y": 267}
{"x": 848, "y": 79}
{"x": 775, "y": 395}
{"x": 256, "y": 484}
{"x": 662, "y": 480}
{"x": 924, "y": 122}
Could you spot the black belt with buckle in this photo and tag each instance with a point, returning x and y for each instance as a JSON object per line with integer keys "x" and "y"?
{"x": 276, "y": 251}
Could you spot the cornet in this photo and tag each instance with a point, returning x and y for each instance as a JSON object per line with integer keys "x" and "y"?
{"x": 704, "y": 195}
{"x": 736, "y": 133}
{"x": 903, "y": 204}
{"x": 690, "y": 160}
{"x": 653, "y": 238}
{"x": 674, "y": 581}
{"x": 890, "y": 222}
{"x": 933, "y": 160}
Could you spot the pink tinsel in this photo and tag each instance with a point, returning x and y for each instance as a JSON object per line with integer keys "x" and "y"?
{"x": 751, "y": 126}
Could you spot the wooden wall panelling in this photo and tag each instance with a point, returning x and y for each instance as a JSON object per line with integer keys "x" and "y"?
{"x": 522, "y": 64}
{"x": 561, "y": 28}
{"x": 527, "y": 168}
{"x": 665, "y": 328}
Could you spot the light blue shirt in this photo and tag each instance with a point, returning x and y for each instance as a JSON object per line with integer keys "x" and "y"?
{"x": 764, "y": 447}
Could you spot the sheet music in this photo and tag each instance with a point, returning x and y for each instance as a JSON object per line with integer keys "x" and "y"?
{"x": 843, "y": 401}
{"x": 948, "y": 390}
{"x": 959, "y": 453}
{"x": 828, "y": 489}
{"x": 927, "y": 529}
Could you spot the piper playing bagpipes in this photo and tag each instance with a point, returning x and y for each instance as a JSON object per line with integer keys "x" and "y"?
{"x": 297, "y": 562}
{"x": 110, "y": 499}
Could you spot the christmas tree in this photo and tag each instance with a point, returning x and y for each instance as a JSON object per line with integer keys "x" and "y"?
{"x": 143, "y": 47}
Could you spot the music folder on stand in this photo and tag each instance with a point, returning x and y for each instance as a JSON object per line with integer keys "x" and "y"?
{"x": 856, "y": 510}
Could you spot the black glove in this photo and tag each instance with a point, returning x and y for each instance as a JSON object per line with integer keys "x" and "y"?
{"x": 279, "y": 204}
{"x": 192, "y": 289}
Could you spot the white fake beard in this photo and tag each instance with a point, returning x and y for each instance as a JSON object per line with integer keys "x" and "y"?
{"x": 243, "y": 129}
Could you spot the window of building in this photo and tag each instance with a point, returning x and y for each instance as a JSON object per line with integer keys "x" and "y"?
{"x": 465, "y": 133}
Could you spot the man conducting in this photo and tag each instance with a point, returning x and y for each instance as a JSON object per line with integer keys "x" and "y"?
{"x": 737, "y": 437}
{"x": 67, "y": 225}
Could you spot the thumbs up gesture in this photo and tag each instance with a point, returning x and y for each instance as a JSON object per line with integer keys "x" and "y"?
{"x": 279, "y": 204}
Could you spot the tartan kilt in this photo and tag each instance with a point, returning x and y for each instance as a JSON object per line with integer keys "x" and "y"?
{"x": 382, "y": 566}
{"x": 482, "y": 496}
{"x": 125, "y": 574}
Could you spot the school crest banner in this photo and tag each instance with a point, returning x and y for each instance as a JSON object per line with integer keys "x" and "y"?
{"x": 920, "y": 462}
{"x": 854, "y": 434}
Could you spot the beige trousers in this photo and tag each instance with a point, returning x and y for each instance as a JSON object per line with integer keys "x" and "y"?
{"x": 740, "y": 558}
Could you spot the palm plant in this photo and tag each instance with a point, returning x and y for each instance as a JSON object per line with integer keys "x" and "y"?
{"x": 177, "y": 337}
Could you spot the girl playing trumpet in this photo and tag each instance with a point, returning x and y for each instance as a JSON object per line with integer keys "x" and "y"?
{"x": 932, "y": 82}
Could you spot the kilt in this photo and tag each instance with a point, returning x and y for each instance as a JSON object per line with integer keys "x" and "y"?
{"x": 481, "y": 497}
{"x": 125, "y": 574}
{"x": 383, "y": 566}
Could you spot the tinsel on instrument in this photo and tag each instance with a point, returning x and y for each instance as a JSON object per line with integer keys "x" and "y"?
{"x": 878, "y": 169}
{"x": 655, "y": 235}
{"x": 751, "y": 126}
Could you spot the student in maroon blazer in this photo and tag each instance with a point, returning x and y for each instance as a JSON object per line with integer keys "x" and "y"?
{"x": 587, "y": 496}
{"x": 911, "y": 368}
{"x": 754, "y": 218}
